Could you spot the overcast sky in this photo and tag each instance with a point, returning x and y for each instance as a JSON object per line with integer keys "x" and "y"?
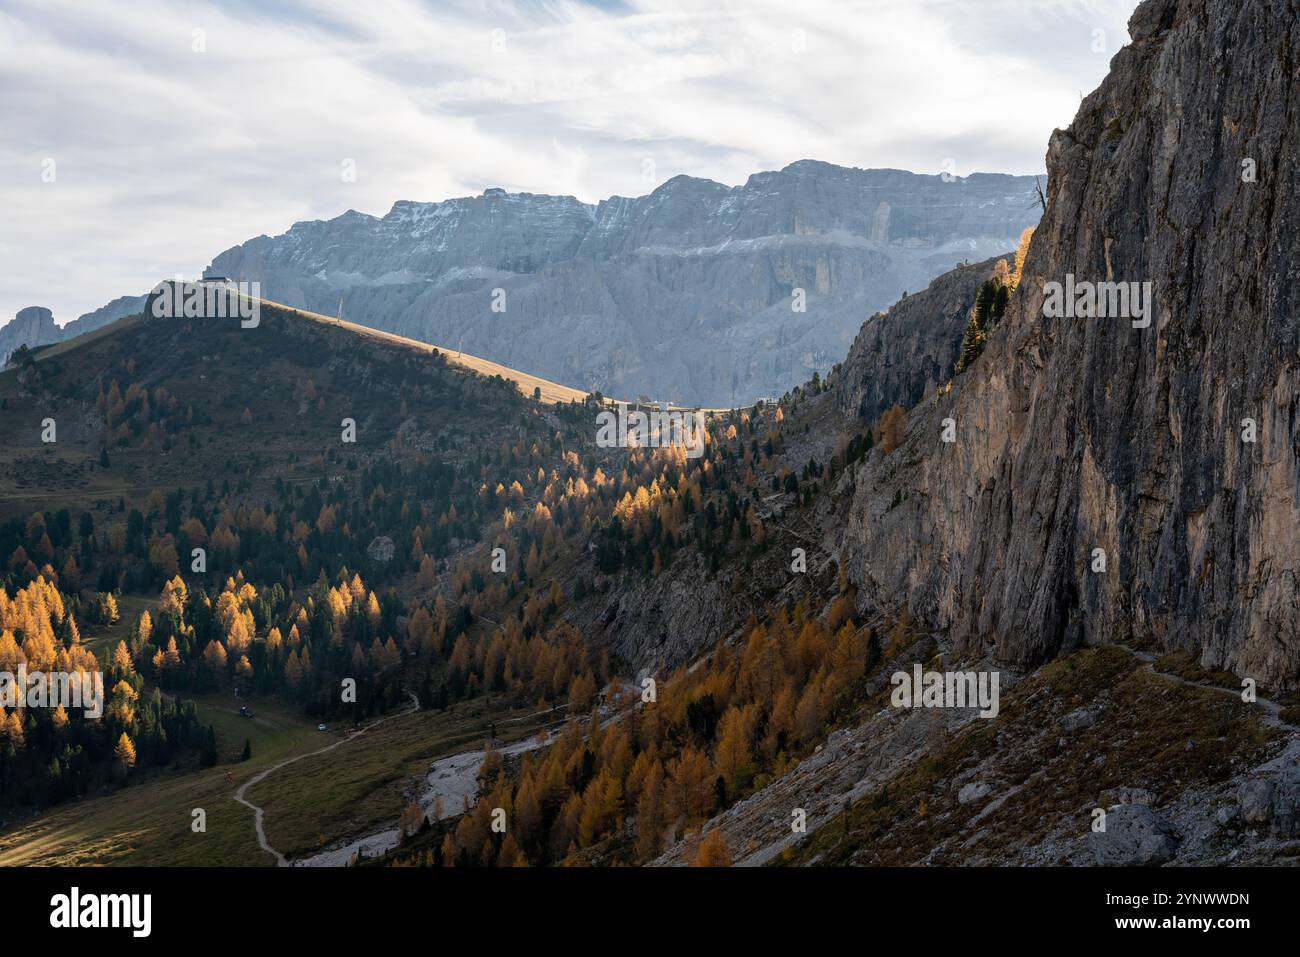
{"x": 142, "y": 138}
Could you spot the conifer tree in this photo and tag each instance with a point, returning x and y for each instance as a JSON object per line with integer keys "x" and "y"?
{"x": 1022, "y": 253}
{"x": 713, "y": 851}
{"x": 208, "y": 749}
{"x": 124, "y": 752}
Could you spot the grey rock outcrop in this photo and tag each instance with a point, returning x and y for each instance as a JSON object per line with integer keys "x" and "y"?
{"x": 1135, "y": 836}
{"x": 381, "y": 549}
{"x": 903, "y": 354}
{"x": 31, "y": 327}
{"x": 1083, "y": 434}
{"x": 1256, "y": 800}
{"x": 1079, "y": 719}
{"x": 1273, "y": 797}
{"x": 684, "y": 294}
{"x": 974, "y": 791}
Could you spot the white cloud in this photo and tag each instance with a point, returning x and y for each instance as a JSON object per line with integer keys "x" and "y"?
{"x": 166, "y": 156}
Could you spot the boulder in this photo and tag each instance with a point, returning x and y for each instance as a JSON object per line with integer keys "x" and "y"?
{"x": 1135, "y": 836}
{"x": 974, "y": 791}
{"x": 381, "y": 549}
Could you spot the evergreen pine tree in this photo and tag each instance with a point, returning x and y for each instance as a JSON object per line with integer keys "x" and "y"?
{"x": 971, "y": 344}
{"x": 984, "y": 304}
{"x": 208, "y": 750}
{"x": 1000, "y": 302}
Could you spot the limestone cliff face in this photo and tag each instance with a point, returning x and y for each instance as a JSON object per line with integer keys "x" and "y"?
{"x": 904, "y": 354}
{"x": 1083, "y": 434}
{"x": 32, "y": 326}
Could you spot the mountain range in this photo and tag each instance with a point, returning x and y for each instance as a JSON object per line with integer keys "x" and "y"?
{"x": 697, "y": 293}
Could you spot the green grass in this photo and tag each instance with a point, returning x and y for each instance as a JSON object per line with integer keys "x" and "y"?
{"x": 1183, "y": 664}
{"x": 105, "y": 637}
{"x": 148, "y": 822}
{"x": 359, "y": 787}
{"x": 355, "y": 788}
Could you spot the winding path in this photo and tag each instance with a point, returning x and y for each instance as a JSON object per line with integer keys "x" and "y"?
{"x": 1273, "y": 710}
{"x": 258, "y": 814}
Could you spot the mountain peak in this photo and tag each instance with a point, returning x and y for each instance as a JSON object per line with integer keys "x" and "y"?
{"x": 31, "y": 326}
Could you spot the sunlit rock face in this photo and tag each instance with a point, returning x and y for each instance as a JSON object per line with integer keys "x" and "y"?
{"x": 1169, "y": 452}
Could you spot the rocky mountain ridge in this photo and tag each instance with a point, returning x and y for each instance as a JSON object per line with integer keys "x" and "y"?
{"x": 688, "y": 293}
{"x": 35, "y": 326}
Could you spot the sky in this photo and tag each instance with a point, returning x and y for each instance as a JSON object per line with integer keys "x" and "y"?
{"x": 139, "y": 140}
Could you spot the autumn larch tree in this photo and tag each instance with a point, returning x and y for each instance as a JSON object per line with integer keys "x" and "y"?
{"x": 892, "y": 427}
{"x": 713, "y": 851}
{"x": 1022, "y": 254}
{"x": 125, "y": 752}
